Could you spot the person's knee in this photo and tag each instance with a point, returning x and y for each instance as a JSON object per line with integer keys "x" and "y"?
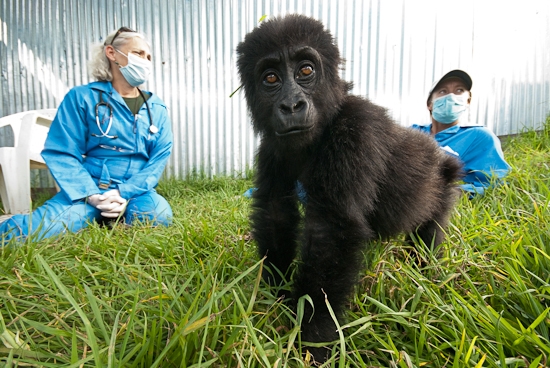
{"x": 163, "y": 218}
{"x": 153, "y": 218}
{"x": 151, "y": 209}
{"x": 10, "y": 229}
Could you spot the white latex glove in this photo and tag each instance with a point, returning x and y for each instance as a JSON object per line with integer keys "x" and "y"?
{"x": 116, "y": 211}
{"x": 110, "y": 203}
{"x": 95, "y": 199}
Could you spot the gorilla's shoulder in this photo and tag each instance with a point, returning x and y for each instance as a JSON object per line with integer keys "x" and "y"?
{"x": 362, "y": 123}
{"x": 361, "y": 111}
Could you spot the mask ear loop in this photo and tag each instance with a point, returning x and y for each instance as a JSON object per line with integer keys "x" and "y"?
{"x": 469, "y": 107}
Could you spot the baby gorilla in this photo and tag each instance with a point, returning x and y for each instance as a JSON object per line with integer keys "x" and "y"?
{"x": 365, "y": 176}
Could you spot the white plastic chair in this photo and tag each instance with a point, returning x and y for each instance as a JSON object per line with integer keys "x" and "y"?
{"x": 30, "y": 130}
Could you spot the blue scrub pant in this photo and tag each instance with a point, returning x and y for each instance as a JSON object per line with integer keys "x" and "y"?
{"x": 59, "y": 215}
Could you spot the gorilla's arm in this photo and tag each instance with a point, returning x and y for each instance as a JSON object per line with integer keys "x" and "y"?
{"x": 335, "y": 225}
{"x": 330, "y": 262}
{"x": 275, "y": 219}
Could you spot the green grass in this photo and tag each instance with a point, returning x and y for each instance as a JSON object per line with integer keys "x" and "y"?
{"x": 190, "y": 295}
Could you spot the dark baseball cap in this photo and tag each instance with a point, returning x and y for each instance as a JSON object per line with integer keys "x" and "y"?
{"x": 453, "y": 73}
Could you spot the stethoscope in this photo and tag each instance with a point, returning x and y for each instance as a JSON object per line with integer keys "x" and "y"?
{"x": 105, "y": 133}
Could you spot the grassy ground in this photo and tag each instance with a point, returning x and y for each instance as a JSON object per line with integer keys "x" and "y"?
{"x": 190, "y": 295}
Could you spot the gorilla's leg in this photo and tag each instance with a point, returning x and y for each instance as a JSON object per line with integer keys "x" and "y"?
{"x": 431, "y": 232}
{"x": 330, "y": 262}
{"x": 275, "y": 222}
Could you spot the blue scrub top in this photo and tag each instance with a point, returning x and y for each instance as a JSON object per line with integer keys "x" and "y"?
{"x": 84, "y": 164}
{"x": 479, "y": 150}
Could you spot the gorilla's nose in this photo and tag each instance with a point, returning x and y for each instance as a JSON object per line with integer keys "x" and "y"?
{"x": 293, "y": 106}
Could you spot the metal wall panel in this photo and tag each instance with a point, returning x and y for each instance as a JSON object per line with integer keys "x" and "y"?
{"x": 394, "y": 49}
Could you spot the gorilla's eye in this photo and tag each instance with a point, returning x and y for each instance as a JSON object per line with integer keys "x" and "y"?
{"x": 271, "y": 78}
{"x": 305, "y": 71}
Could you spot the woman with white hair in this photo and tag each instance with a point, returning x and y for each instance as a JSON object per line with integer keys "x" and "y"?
{"x": 107, "y": 147}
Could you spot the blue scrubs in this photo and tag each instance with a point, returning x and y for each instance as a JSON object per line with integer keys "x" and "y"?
{"x": 83, "y": 161}
{"x": 478, "y": 149}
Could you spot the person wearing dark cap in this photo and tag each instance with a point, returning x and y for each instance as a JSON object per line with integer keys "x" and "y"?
{"x": 476, "y": 146}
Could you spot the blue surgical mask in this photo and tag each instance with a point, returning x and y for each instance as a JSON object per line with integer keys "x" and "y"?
{"x": 137, "y": 70}
{"x": 449, "y": 108}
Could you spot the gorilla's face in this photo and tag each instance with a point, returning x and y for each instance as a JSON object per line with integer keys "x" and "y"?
{"x": 287, "y": 80}
{"x": 289, "y": 71}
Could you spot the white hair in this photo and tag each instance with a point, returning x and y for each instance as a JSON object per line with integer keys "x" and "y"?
{"x": 99, "y": 66}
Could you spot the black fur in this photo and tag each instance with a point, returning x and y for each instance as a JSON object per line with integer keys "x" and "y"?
{"x": 365, "y": 176}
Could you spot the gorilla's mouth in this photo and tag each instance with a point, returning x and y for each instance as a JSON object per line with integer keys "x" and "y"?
{"x": 294, "y": 130}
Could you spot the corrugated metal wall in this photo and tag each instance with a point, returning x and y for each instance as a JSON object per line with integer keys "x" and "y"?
{"x": 393, "y": 49}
